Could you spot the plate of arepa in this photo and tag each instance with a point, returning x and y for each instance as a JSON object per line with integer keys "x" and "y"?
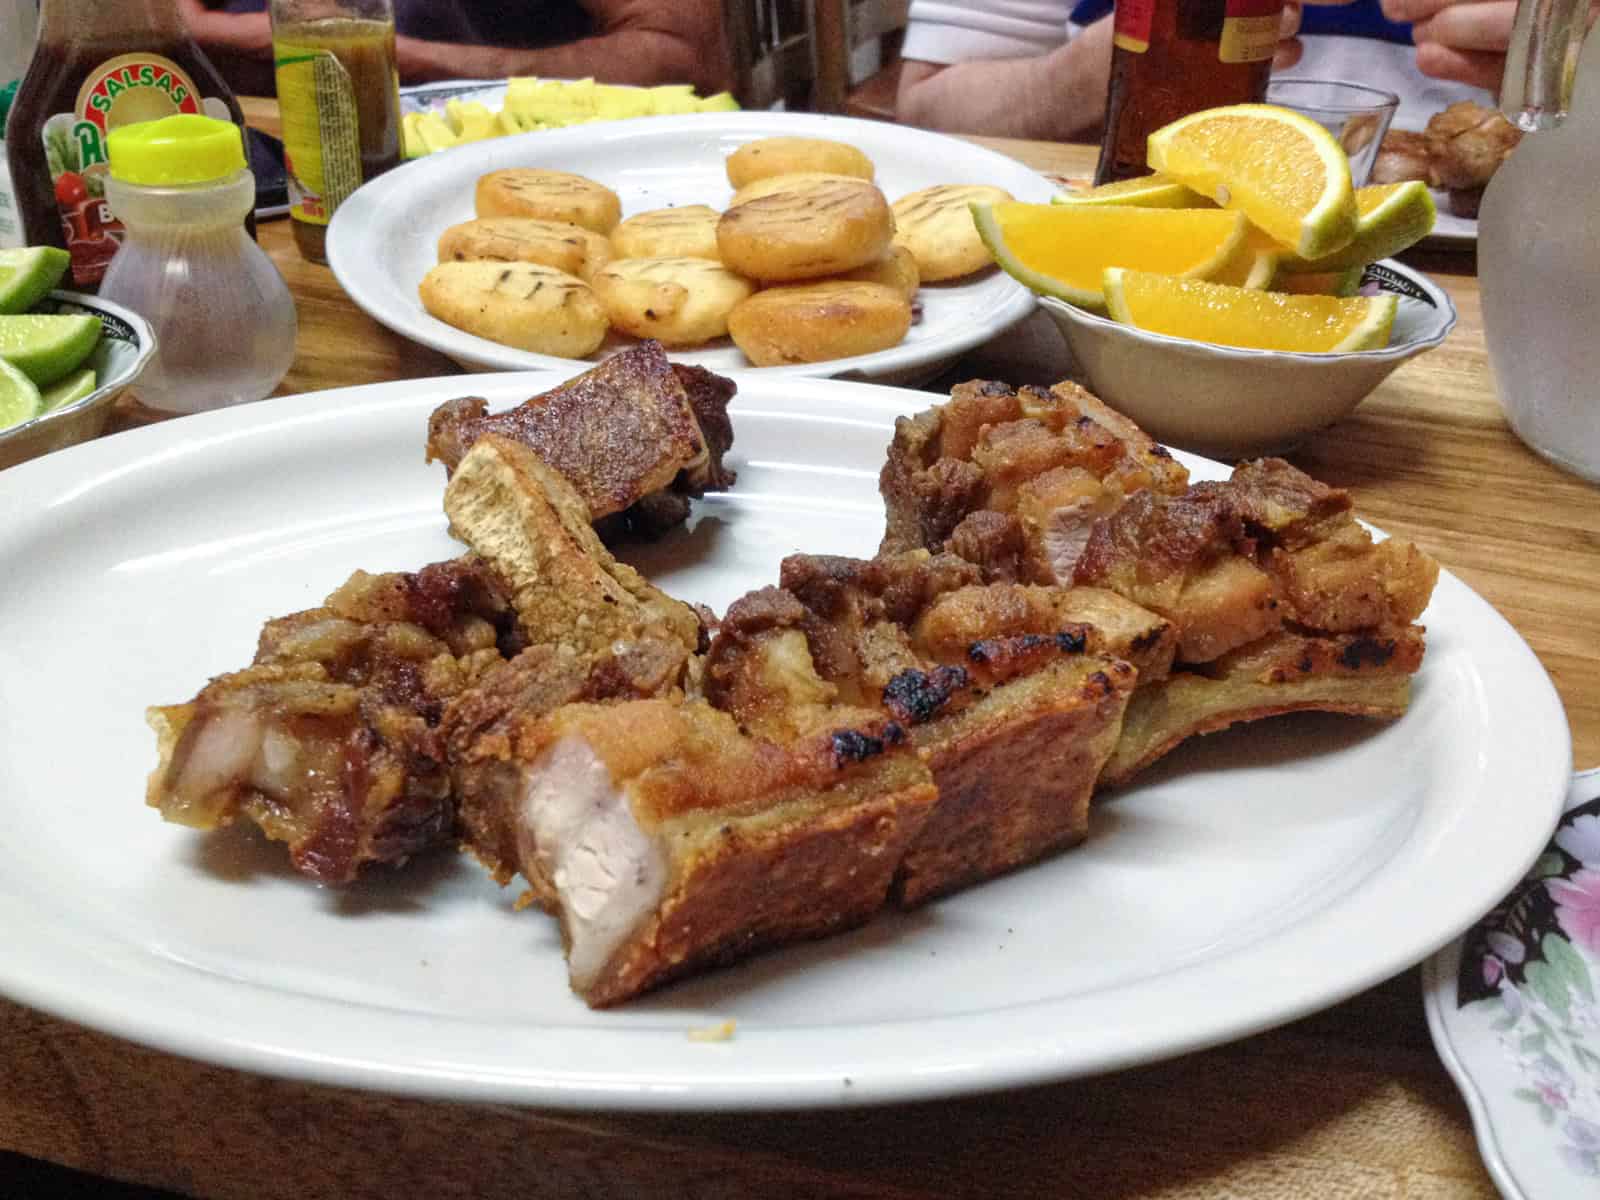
{"x": 845, "y": 250}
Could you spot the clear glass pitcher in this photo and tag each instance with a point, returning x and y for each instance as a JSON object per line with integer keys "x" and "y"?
{"x": 1539, "y": 239}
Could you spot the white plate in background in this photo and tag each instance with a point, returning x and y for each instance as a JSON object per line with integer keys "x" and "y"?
{"x": 384, "y": 238}
{"x": 1250, "y": 878}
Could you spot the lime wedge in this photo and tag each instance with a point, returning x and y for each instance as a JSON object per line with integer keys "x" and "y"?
{"x": 70, "y": 390}
{"x": 28, "y": 274}
{"x": 1389, "y": 218}
{"x": 1150, "y": 191}
{"x": 19, "y": 399}
{"x": 46, "y": 348}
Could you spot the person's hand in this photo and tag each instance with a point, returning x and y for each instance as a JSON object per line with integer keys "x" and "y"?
{"x": 1463, "y": 40}
{"x": 1290, "y": 47}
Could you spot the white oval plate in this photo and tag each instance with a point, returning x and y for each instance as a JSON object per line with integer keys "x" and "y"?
{"x": 384, "y": 238}
{"x": 1514, "y": 1009}
{"x": 1253, "y": 877}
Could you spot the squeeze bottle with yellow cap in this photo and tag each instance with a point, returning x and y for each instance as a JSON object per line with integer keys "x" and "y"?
{"x": 223, "y": 317}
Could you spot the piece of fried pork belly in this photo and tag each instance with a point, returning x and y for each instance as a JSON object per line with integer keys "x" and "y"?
{"x": 1013, "y": 697}
{"x": 1048, "y": 463}
{"x": 1231, "y": 562}
{"x": 1282, "y": 601}
{"x": 667, "y": 840}
{"x": 330, "y": 741}
{"x": 526, "y": 521}
{"x": 636, "y": 436}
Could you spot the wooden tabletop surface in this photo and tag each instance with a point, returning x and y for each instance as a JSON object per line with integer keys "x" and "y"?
{"x": 1351, "y": 1102}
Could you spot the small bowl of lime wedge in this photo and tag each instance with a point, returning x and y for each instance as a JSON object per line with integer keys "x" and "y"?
{"x": 65, "y": 356}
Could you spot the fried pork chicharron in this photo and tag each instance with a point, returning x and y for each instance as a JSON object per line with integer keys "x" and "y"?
{"x": 636, "y": 436}
{"x": 1013, "y": 700}
{"x": 1241, "y": 569}
{"x": 329, "y": 742}
{"x": 665, "y": 839}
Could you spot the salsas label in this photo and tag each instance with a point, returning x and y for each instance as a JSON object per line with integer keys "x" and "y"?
{"x": 321, "y": 137}
{"x": 1250, "y": 30}
{"x": 1131, "y": 24}
{"x": 120, "y": 91}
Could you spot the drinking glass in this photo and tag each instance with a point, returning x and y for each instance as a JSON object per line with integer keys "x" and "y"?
{"x": 1357, "y": 115}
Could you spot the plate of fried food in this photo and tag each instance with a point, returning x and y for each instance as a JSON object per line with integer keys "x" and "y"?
{"x": 1456, "y": 155}
{"x": 805, "y": 244}
{"x": 808, "y": 742}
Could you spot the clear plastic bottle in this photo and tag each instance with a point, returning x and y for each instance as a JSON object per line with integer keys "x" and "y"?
{"x": 224, "y": 319}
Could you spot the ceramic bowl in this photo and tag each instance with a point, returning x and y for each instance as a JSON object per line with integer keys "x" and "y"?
{"x": 1230, "y": 403}
{"x": 126, "y": 346}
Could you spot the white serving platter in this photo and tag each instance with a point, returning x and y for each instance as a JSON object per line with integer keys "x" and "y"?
{"x": 1252, "y": 877}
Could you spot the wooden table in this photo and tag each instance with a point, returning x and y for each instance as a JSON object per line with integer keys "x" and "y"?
{"x": 1351, "y": 1102}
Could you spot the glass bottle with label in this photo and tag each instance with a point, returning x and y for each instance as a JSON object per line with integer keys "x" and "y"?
{"x": 19, "y": 25}
{"x": 98, "y": 65}
{"x": 339, "y": 93}
{"x": 1175, "y": 57}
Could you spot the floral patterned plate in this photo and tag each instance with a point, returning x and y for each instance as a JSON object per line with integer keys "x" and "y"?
{"x": 1514, "y": 1008}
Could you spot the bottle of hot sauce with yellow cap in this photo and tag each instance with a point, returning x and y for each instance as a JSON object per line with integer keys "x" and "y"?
{"x": 224, "y": 319}
{"x": 1175, "y": 57}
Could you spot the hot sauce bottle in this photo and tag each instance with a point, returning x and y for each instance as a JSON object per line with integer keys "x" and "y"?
{"x": 97, "y": 66}
{"x": 1175, "y": 57}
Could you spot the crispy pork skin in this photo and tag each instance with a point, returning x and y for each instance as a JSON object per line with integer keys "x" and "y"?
{"x": 636, "y": 436}
{"x": 527, "y": 521}
{"x": 1366, "y": 675}
{"x": 330, "y": 741}
{"x": 666, "y": 840}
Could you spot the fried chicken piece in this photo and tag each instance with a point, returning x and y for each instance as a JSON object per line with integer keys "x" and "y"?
{"x": 330, "y": 741}
{"x": 636, "y": 436}
{"x": 1404, "y": 156}
{"x": 1467, "y": 143}
{"x": 1054, "y": 460}
{"x": 666, "y": 840}
{"x": 1365, "y": 674}
{"x": 1014, "y": 702}
{"x": 532, "y": 527}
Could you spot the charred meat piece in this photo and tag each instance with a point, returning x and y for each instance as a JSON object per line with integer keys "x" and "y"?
{"x": 1053, "y": 461}
{"x": 1013, "y": 700}
{"x": 666, "y": 840}
{"x": 330, "y": 742}
{"x": 634, "y": 433}
{"x": 525, "y": 520}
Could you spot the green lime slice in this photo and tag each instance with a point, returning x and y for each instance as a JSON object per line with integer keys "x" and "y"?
{"x": 46, "y": 348}
{"x": 28, "y": 274}
{"x": 70, "y": 390}
{"x": 19, "y": 399}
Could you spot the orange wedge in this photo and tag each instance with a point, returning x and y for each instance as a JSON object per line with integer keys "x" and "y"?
{"x": 1284, "y": 171}
{"x": 1256, "y": 320}
{"x": 1064, "y": 249}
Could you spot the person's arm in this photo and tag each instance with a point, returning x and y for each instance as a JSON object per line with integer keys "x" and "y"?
{"x": 246, "y": 35}
{"x": 1052, "y": 96}
{"x": 1056, "y": 96}
{"x": 638, "y": 41}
